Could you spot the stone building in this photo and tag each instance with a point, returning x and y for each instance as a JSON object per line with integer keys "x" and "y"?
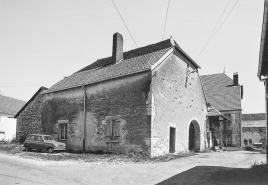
{"x": 224, "y": 96}
{"x": 253, "y": 129}
{"x": 148, "y": 99}
{"x": 8, "y": 108}
{"x": 29, "y": 116}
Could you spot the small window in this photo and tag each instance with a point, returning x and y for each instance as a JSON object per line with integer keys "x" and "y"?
{"x": 112, "y": 130}
{"x": 63, "y": 132}
{"x": 250, "y": 141}
{"x": 32, "y": 138}
{"x": 246, "y": 142}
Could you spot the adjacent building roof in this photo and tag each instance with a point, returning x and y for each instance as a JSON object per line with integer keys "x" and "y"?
{"x": 134, "y": 61}
{"x": 263, "y": 55}
{"x": 220, "y": 92}
{"x": 41, "y": 89}
{"x": 10, "y": 106}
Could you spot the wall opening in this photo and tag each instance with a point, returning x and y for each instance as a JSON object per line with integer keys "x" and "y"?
{"x": 194, "y": 136}
{"x": 172, "y": 139}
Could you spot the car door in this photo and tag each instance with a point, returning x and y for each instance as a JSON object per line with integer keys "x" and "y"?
{"x": 39, "y": 143}
{"x": 31, "y": 142}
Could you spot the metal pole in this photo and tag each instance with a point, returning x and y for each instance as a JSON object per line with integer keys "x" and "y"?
{"x": 266, "y": 110}
{"x": 84, "y": 138}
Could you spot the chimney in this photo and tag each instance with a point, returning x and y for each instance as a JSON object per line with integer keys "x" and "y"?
{"x": 117, "y": 48}
{"x": 235, "y": 79}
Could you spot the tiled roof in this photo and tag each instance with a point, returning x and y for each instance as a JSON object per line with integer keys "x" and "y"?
{"x": 10, "y": 105}
{"x": 134, "y": 61}
{"x": 260, "y": 116}
{"x": 220, "y": 93}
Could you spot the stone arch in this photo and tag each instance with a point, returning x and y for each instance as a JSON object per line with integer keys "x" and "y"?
{"x": 194, "y": 136}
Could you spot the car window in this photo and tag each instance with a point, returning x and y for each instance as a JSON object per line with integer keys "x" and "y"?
{"x": 28, "y": 138}
{"x": 35, "y": 138}
{"x": 39, "y": 138}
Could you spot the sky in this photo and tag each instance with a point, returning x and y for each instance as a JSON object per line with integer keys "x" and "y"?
{"x": 43, "y": 41}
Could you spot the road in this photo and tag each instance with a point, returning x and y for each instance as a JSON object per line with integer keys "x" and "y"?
{"x": 16, "y": 170}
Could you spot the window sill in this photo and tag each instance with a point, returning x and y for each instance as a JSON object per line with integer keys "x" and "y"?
{"x": 112, "y": 141}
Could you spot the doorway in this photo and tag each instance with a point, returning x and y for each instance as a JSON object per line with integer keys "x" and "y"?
{"x": 194, "y": 136}
{"x": 172, "y": 139}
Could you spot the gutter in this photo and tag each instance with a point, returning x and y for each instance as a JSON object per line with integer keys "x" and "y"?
{"x": 85, "y": 117}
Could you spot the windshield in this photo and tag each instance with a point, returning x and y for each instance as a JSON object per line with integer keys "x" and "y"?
{"x": 48, "y": 138}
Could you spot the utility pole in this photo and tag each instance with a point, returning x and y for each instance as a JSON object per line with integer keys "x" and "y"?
{"x": 266, "y": 110}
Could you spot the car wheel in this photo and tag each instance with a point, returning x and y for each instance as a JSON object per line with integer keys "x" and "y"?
{"x": 27, "y": 149}
{"x": 50, "y": 150}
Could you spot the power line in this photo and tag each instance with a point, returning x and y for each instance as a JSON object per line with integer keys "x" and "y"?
{"x": 216, "y": 30}
{"x": 165, "y": 20}
{"x": 124, "y": 23}
{"x": 217, "y": 23}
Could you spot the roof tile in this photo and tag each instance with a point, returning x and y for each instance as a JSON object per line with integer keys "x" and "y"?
{"x": 10, "y": 105}
{"x": 220, "y": 93}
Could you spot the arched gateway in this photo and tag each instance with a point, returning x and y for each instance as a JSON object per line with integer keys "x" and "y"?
{"x": 194, "y": 136}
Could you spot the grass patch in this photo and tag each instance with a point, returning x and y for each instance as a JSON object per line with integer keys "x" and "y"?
{"x": 94, "y": 157}
{"x": 230, "y": 149}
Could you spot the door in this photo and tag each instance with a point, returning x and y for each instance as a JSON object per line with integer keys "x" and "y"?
{"x": 172, "y": 140}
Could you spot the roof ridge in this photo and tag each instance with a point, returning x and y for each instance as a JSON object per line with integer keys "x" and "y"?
{"x": 102, "y": 62}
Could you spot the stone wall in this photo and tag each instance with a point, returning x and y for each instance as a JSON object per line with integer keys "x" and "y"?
{"x": 235, "y": 126}
{"x": 123, "y": 99}
{"x": 177, "y": 100}
{"x": 256, "y": 134}
{"x": 29, "y": 120}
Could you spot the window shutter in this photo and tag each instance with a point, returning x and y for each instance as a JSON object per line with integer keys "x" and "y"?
{"x": 108, "y": 129}
{"x": 115, "y": 128}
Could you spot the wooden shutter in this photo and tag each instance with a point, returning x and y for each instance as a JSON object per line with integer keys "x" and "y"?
{"x": 115, "y": 128}
{"x": 108, "y": 129}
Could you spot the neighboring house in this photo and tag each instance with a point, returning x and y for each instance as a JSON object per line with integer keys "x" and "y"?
{"x": 148, "y": 99}
{"x": 8, "y": 108}
{"x": 253, "y": 129}
{"x": 224, "y": 95}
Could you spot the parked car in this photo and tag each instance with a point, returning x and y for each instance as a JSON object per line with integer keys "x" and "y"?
{"x": 41, "y": 142}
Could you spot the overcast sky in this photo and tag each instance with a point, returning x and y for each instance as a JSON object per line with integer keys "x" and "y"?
{"x": 43, "y": 41}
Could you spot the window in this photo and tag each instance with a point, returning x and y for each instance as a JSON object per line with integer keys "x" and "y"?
{"x": 63, "y": 131}
{"x": 112, "y": 130}
{"x": 246, "y": 142}
{"x": 32, "y": 138}
{"x": 250, "y": 141}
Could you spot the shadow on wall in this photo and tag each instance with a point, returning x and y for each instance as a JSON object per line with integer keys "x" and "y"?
{"x": 214, "y": 175}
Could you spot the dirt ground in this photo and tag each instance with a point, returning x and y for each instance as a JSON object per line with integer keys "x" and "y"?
{"x": 204, "y": 168}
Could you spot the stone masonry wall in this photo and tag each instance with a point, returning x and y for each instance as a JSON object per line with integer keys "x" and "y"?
{"x": 235, "y": 126}
{"x": 29, "y": 120}
{"x": 123, "y": 99}
{"x": 256, "y": 134}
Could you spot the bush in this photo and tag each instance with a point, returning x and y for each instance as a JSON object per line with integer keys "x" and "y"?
{"x": 22, "y": 138}
{"x": 206, "y": 150}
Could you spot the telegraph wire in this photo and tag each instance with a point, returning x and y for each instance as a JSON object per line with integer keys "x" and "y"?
{"x": 165, "y": 20}
{"x": 217, "y": 30}
{"x": 217, "y": 23}
{"x": 124, "y": 23}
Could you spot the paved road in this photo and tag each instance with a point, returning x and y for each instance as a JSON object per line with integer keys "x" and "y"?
{"x": 15, "y": 170}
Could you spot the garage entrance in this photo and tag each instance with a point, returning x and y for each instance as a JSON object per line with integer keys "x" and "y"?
{"x": 194, "y": 136}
